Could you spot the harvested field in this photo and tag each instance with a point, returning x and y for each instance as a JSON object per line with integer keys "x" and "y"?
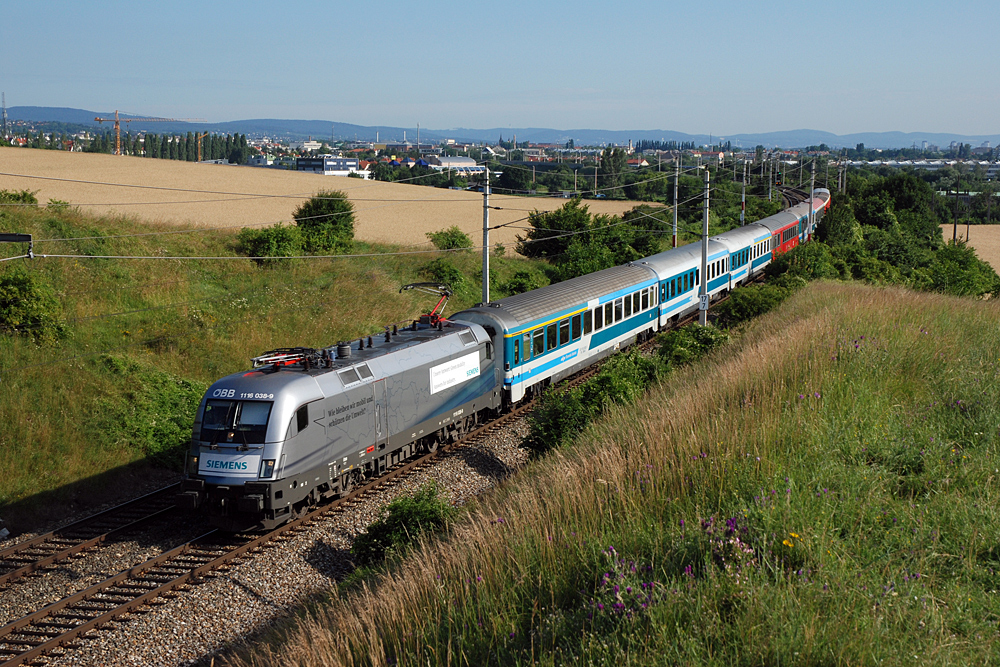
{"x": 209, "y": 195}
{"x": 984, "y": 238}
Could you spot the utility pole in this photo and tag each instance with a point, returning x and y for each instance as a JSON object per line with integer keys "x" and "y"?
{"x": 770, "y": 176}
{"x": 703, "y": 278}
{"x": 486, "y": 237}
{"x": 812, "y": 186}
{"x": 595, "y": 179}
{"x": 574, "y": 182}
{"x": 677, "y": 177}
{"x": 743, "y": 198}
{"x": 954, "y": 227}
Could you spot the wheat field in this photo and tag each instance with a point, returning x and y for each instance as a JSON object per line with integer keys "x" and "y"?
{"x": 210, "y": 195}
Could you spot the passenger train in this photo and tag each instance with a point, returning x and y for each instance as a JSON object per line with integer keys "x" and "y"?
{"x": 308, "y": 424}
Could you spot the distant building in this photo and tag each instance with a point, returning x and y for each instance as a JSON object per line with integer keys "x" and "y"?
{"x": 305, "y": 145}
{"x": 260, "y": 161}
{"x": 330, "y": 165}
{"x": 462, "y": 166}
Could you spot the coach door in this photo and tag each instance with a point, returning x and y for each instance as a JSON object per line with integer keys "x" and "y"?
{"x": 380, "y": 409}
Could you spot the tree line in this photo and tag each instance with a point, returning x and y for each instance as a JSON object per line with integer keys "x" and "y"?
{"x": 232, "y": 147}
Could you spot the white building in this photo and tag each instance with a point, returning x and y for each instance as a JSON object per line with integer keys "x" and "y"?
{"x": 462, "y": 166}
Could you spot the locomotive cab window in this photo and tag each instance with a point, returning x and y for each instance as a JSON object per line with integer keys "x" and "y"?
{"x": 239, "y": 422}
{"x": 489, "y": 351}
{"x": 302, "y": 418}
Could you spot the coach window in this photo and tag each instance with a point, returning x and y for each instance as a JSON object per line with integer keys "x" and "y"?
{"x": 645, "y": 299}
{"x": 564, "y": 332}
{"x": 551, "y": 341}
{"x": 574, "y": 323}
{"x": 663, "y": 291}
{"x": 608, "y": 314}
{"x": 517, "y": 351}
{"x": 636, "y": 300}
{"x": 539, "y": 338}
{"x": 598, "y": 318}
{"x": 686, "y": 286}
{"x": 588, "y": 322}
{"x": 673, "y": 288}
{"x": 628, "y": 306}
{"x": 527, "y": 347}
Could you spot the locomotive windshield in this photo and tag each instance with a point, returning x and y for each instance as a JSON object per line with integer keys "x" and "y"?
{"x": 238, "y": 422}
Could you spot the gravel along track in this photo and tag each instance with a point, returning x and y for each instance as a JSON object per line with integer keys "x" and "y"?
{"x": 244, "y": 599}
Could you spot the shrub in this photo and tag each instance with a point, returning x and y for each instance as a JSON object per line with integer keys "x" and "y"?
{"x": 560, "y": 416}
{"x": 28, "y": 307}
{"x": 277, "y": 241}
{"x": 26, "y": 197}
{"x": 687, "y": 344}
{"x": 452, "y": 238}
{"x": 406, "y": 519}
{"x": 326, "y": 222}
{"x": 520, "y": 282}
{"x": 443, "y": 271}
{"x": 749, "y": 302}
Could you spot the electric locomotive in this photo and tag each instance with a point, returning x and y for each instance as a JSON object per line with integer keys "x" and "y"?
{"x": 304, "y": 424}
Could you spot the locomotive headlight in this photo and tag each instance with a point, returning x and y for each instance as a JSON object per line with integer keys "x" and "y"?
{"x": 266, "y": 468}
{"x": 192, "y": 466}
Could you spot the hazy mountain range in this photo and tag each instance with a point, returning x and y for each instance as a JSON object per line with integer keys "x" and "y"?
{"x": 325, "y": 129}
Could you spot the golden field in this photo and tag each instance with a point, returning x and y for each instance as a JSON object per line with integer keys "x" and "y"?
{"x": 209, "y": 195}
{"x": 985, "y": 239}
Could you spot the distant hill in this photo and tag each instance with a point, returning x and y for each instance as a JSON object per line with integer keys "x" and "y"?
{"x": 325, "y": 129}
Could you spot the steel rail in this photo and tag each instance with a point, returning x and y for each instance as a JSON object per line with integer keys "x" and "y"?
{"x": 32, "y": 555}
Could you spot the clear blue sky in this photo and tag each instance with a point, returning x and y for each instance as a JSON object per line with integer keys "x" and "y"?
{"x": 700, "y": 66}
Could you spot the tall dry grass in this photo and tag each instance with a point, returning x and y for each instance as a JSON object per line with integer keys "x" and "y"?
{"x": 792, "y": 403}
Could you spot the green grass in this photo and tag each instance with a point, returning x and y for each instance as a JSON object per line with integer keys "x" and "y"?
{"x": 143, "y": 338}
{"x": 821, "y": 491}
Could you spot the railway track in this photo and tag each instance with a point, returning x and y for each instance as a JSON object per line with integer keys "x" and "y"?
{"x": 34, "y": 555}
{"x": 792, "y": 196}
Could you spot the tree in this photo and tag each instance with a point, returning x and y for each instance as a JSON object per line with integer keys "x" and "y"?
{"x": 326, "y": 222}
{"x": 613, "y": 165}
{"x": 547, "y": 238}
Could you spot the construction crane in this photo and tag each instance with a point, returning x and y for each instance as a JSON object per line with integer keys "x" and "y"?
{"x": 200, "y": 137}
{"x": 118, "y": 131}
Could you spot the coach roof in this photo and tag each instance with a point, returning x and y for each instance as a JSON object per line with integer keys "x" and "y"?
{"x": 551, "y": 300}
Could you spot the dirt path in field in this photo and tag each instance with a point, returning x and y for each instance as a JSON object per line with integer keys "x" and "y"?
{"x": 209, "y": 195}
{"x": 985, "y": 239}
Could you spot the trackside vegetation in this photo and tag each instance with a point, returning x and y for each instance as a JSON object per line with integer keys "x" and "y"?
{"x": 821, "y": 489}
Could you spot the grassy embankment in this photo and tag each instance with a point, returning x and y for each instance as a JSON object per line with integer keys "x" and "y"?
{"x": 823, "y": 490}
{"x": 85, "y": 416}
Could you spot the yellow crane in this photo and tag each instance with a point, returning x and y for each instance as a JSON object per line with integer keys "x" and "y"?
{"x": 118, "y": 131}
{"x": 200, "y": 137}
